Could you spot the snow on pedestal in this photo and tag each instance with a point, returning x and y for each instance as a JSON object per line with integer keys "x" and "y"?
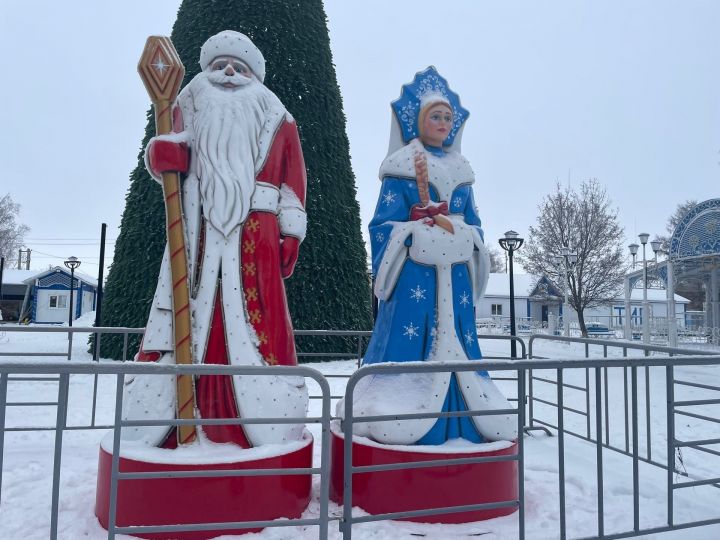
{"x": 169, "y": 501}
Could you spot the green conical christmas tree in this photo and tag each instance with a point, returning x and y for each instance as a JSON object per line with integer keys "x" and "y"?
{"x": 330, "y": 287}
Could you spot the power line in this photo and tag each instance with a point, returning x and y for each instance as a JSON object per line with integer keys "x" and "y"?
{"x": 58, "y": 257}
{"x": 69, "y": 238}
{"x": 47, "y": 254}
{"x": 44, "y": 255}
{"x": 65, "y": 244}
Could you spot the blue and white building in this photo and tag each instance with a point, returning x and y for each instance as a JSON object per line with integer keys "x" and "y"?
{"x": 43, "y": 297}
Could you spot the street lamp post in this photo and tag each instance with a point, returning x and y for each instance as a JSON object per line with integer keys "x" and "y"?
{"x": 646, "y": 311}
{"x": 633, "y": 251}
{"x": 566, "y": 261}
{"x": 657, "y": 250}
{"x": 72, "y": 263}
{"x": 511, "y": 243}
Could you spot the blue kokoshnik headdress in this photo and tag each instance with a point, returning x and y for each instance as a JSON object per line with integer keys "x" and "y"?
{"x": 414, "y": 94}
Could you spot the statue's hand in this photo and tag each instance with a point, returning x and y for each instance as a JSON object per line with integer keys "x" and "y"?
{"x": 289, "y": 250}
{"x": 166, "y": 156}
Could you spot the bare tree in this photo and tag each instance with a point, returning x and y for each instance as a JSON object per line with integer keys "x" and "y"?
{"x": 497, "y": 260}
{"x": 587, "y": 224}
{"x": 672, "y": 222}
{"x": 11, "y": 232}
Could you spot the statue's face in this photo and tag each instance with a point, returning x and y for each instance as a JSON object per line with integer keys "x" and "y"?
{"x": 436, "y": 125}
{"x": 233, "y": 69}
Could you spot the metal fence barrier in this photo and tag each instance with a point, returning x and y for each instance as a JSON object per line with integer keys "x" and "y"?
{"x": 536, "y": 423}
{"x": 63, "y": 371}
{"x": 361, "y": 336}
{"x": 425, "y": 367}
{"x": 60, "y": 373}
{"x": 208, "y": 369}
{"x": 631, "y": 414}
{"x": 523, "y": 372}
{"x": 523, "y": 367}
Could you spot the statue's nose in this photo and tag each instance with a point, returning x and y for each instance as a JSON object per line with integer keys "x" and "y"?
{"x": 229, "y": 71}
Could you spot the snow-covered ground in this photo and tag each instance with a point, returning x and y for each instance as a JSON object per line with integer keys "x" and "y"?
{"x": 27, "y": 467}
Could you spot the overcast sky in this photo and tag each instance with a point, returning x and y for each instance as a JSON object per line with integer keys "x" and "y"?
{"x": 625, "y": 92}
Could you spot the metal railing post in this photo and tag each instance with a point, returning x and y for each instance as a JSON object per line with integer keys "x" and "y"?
{"x": 96, "y": 358}
{"x": 670, "y": 412}
{"x": 607, "y": 405}
{"x": 635, "y": 450}
{"x": 70, "y": 344}
{"x": 587, "y": 401}
{"x": 60, "y": 422}
{"x": 627, "y": 408}
{"x": 647, "y": 413}
{"x": 561, "y": 451}
{"x": 325, "y": 459}
{"x": 3, "y": 408}
{"x": 359, "y": 349}
{"x": 117, "y": 431}
{"x": 599, "y": 449}
{"x": 531, "y": 416}
{"x": 346, "y": 426}
{"x": 521, "y": 455}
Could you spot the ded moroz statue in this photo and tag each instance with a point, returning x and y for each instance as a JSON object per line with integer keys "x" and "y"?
{"x": 243, "y": 210}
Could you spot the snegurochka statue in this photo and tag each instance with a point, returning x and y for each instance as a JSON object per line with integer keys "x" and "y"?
{"x": 430, "y": 268}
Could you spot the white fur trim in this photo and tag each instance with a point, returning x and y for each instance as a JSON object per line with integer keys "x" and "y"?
{"x": 393, "y": 260}
{"x": 444, "y": 173}
{"x": 237, "y": 45}
{"x": 480, "y": 393}
{"x": 413, "y": 393}
{"x": 291, "y": 214}
{"x": 265, "y": 198}
{"x": 274, "y": 117}
{"x": 435, "y": 246}
{"x": 149, "y": 397}
{"x": 397, "y": 394}
{"x": 433, "y": 98}
{"x": 479, "y": 269}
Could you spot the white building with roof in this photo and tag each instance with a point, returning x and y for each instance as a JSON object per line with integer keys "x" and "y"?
{"x": 538, "y": 300}
{"x": 44, "y": 296}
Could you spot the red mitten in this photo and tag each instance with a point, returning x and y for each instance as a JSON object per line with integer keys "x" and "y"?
{"x": 168, "y": 156}
{"x": 147, "y": 356}
{"x": 288, "y": 255}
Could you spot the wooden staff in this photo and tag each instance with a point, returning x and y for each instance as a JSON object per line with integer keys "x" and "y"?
{"x": 162, "y": 71}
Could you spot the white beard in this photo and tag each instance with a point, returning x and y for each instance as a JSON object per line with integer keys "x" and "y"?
{"x": 227, "y": 124}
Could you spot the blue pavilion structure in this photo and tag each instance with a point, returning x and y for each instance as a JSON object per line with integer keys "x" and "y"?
{"x": 694, "y": 256}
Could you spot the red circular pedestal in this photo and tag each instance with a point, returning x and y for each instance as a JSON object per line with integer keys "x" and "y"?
{"x": 427, "y": 487}
{"x": 169, "y": 501}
